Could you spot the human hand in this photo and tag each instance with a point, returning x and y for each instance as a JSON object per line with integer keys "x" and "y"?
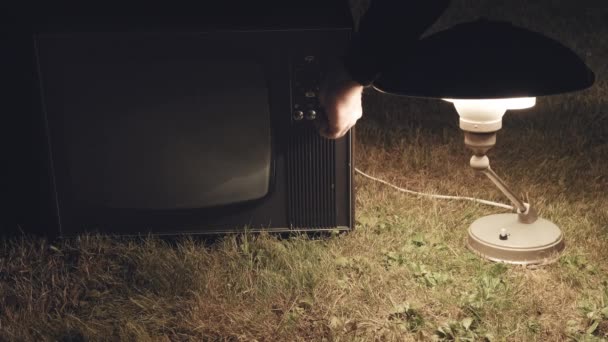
{"x": 340, "y": 97}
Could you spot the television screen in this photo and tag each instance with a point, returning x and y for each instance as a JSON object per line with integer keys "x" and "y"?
{"x": 157, "y": 122}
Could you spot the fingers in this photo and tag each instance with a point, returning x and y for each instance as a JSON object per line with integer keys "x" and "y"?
{"x": 341, "y": 102}
{"x": 337, "y": 128}
{"x": 326, "y": 130}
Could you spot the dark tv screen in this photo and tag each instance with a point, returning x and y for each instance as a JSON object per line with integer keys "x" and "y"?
{"x": 144, "y": 127}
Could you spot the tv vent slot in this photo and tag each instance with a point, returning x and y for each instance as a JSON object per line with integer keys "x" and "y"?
{"x": 311, "y": 167}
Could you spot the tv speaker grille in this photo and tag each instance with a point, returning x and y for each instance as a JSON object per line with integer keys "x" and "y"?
{"x": 311, "y": 164}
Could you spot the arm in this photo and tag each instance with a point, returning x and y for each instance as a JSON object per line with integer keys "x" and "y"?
{"x": 387, "y": 30}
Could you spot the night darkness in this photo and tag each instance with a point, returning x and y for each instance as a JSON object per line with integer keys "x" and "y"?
{"x": 166, "y": 177}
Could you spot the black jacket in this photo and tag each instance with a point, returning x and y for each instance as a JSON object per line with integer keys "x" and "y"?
{"x": 387, "y": 31}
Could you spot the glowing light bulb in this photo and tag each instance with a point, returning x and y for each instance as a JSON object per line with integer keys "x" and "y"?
{"x": 485, "y": 115}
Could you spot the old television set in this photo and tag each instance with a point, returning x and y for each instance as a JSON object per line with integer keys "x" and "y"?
{"x": 192, "y": 119}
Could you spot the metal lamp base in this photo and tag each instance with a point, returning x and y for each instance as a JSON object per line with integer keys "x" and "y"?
{"x": 503, "y": 238}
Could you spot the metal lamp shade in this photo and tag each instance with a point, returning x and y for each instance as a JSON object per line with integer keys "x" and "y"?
{"x": 485, "y": 59}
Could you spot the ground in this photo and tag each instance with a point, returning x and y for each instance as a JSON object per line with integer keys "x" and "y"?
{"x": 403, "y": 274}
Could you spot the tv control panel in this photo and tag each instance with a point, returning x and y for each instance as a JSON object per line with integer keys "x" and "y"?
{"x": 306, "y": 80}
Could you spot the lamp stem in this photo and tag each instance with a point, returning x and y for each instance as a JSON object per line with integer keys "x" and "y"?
{"x": 525, "y": 213}
{"x": 502, "y": 186}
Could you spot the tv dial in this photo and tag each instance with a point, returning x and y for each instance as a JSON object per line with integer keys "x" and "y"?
{"x": 311, "y": 114}
{"x": 298, "y": 115}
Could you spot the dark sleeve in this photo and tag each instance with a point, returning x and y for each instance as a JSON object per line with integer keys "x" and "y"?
{"x": 386, "y": 31}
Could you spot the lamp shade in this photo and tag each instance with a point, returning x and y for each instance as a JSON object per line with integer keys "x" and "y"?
{"x": 485, "y": 60}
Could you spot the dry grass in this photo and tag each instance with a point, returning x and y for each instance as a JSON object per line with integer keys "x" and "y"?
{"x": 404, "y": 274}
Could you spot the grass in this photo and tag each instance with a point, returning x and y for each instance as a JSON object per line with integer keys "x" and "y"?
{"x": 403, "y": 274}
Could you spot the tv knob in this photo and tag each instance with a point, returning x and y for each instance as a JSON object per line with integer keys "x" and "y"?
{"x": 298, "y": 115}
{"x": 311, "y": 114}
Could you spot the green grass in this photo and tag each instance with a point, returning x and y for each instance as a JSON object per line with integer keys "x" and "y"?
{"x": 403, "y": 274}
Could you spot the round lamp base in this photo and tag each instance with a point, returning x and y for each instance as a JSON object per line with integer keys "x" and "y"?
{"x": 502, "y": 238}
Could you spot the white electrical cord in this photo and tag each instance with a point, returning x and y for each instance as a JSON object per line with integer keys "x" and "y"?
{"x": 500, "y": 205}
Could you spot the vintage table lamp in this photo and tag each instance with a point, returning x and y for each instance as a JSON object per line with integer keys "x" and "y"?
{"x": 486, "y": 68}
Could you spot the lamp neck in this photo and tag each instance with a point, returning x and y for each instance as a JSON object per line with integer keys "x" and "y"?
{"x": 479, "y": 143}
